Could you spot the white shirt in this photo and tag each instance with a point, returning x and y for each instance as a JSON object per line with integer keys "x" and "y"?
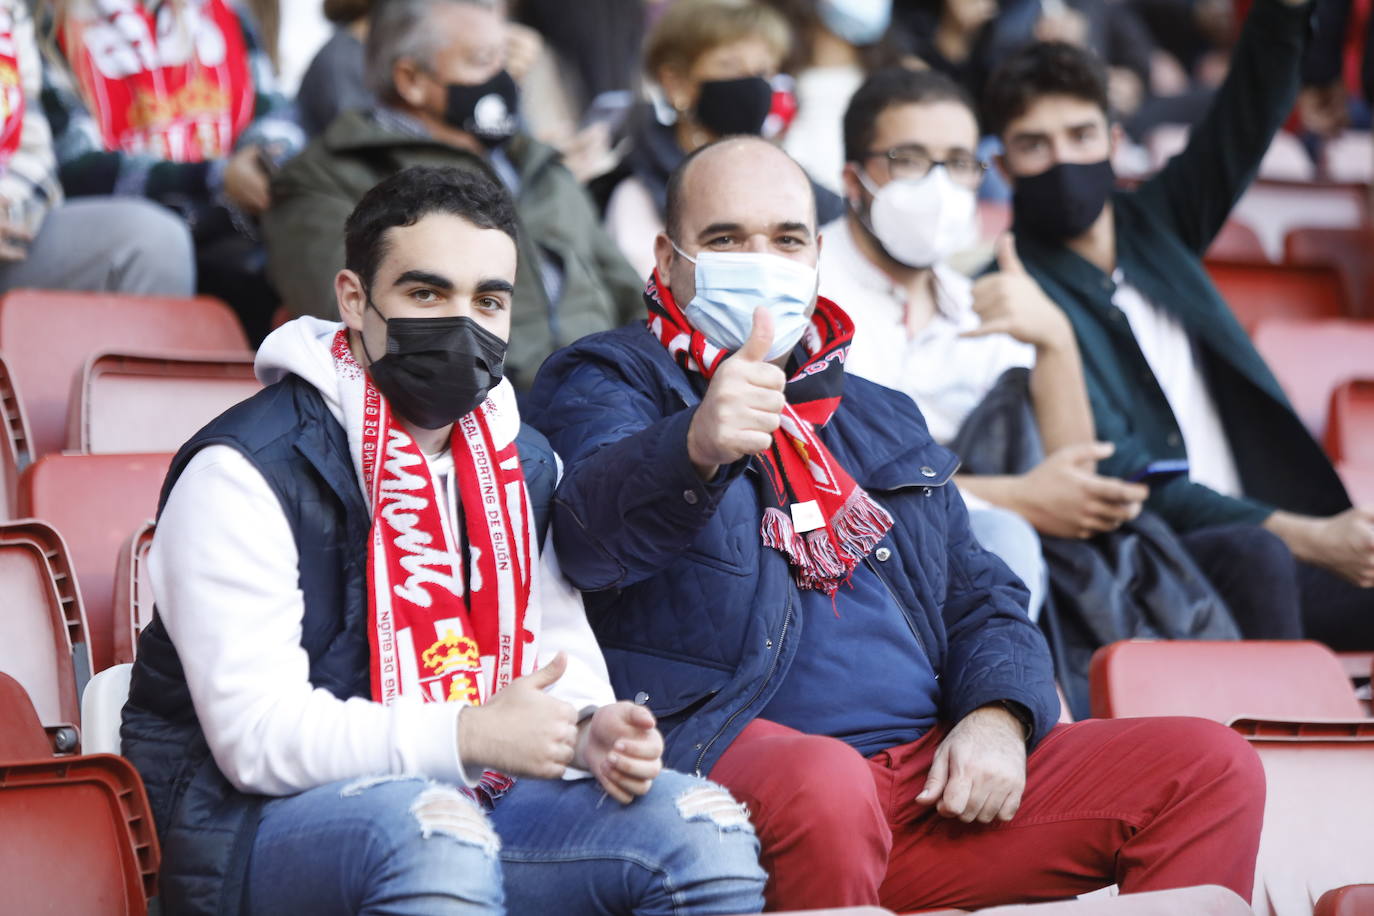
{"x": 945, "y": 374}
{"x": 1169, "y": 352}
{"x": 225, "y": 571}
{"x": 816, "y": 136}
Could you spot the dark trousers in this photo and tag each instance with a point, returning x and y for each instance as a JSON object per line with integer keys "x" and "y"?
{"x": 1273, "y": 596}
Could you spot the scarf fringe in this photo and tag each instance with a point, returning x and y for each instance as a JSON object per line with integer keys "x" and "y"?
{"x": 824, "y": 558}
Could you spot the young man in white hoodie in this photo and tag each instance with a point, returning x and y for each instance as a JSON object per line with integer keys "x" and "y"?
{"x": 365, "y": 679}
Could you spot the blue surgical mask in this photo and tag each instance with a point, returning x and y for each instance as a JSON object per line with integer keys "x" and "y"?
{"x": 859, "y": 22}
{"x": 731, "y": 285}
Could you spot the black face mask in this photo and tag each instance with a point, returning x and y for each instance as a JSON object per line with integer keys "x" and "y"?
{"x": 1062, "y": 202}
{"x": 487, "y": 111}
{"x": 739, "y": 106}
{"x": 436, "y": 370}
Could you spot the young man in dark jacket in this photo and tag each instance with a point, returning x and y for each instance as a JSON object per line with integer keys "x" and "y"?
{"x": 1170, "y": 372}
{"x": 776, "y": 562}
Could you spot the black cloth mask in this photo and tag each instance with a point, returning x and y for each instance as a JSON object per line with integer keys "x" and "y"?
{"x": 740, "y": 106}
{"x": 436, "y": 370}
{"x": 1063, "y": 201}
{"x": 487, "y": 110}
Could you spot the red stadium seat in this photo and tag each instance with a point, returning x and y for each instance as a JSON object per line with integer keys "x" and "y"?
{"x": 1350, "y": 421}
{"x": 1312, "y": 358}
{"x": 14, "y": 450}
{"x": 95, "y": 501}
{"x": 1351, "y": 900}
{"x": 1256, "y": 292}
{"x": 43, "y": 632}
{"x": 1272, "y": 208}
{"x": 1238, "y": 242}
{"x": 1359, "y": 482}
{"x": 154, "y": 403}
{"x": 78, "y": 836}
{"x": 1349, "y": 249}
{"x": 1293, "y": 702}
{"x": 47, "y": 337}
{"x": 1318, "y": 812}
{"x": 133, "y": 594}
{"x": 1220, "y": 680}
{"x": 1184, "y": 901}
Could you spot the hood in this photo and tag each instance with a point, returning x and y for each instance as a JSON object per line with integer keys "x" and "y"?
{"x": 303, "y": 348}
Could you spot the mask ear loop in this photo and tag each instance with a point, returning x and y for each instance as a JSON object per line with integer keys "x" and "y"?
{"x": 362, "y": 337}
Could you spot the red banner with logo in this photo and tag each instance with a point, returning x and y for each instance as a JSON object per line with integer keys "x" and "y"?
{"x": 170, "y": 79}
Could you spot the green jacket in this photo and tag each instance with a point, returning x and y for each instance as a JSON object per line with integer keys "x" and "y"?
{"x": 1162, "y": 230}
{"x": 314, "y": 193}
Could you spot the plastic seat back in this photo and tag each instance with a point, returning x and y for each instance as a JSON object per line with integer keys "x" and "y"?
{"x": 1256, "y": 292}
{"x": 1312, "y": 358}
{"x": 78, "y": 837}
{"x": 48, "y": 336}
{"x": 154, "y": 403}
{"x": 43, "y": 632}
{"x": 1319, "y": 805}
{"x": 1351, "y": 900}
{"x": 14, "y": 444}
{"x": 1273, "y": 208}
{"x": 102, "y": 709}
{"x": 1359, "y": 482}
{"x": 1238, "y": 242}
{"x": 133, "y": 594}
{"x": 1349, "y": 249}
{"x": 21, "y": 733}
{"x": 1220, "y": 680}
{"x": 95, "y": 501}
{"x": 1350, "y": 421}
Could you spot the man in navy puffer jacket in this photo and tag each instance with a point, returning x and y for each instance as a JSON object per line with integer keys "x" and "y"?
{"x": 775, "y": 562}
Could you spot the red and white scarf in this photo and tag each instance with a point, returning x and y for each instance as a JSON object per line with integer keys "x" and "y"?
{"x": 169, "y": 79}
{"x": 437, "y": 632}
{"x": 814, "y": 512}
{"x": 11, "y": 90}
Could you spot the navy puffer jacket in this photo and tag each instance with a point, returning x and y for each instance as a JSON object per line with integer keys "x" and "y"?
{"x": 693, "y": 611}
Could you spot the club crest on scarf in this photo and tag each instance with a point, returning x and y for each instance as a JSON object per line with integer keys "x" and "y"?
{"x": 440, "y": 628}
{"x": 814, "y": 512}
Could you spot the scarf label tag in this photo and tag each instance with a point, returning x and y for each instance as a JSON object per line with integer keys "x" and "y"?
{"x": 807, "y": 516}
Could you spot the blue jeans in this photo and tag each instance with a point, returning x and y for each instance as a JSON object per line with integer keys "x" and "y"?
{"x": 1014, "y": 541}
{"x": 402, "y": 846}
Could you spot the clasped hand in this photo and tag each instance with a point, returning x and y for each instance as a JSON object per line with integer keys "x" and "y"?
{"x": 524, "y": 731}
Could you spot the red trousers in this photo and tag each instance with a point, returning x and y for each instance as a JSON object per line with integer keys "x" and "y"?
{"x": 1147, "y": 804}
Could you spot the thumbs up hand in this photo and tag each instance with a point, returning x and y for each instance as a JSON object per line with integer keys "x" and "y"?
{"x": 743, "y": 404}
{"x": 1011, "y": 302}
{"x": 522, "y": 730}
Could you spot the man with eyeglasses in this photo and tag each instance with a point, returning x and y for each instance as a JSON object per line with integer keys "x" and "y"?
{"x": 924, "y": 328}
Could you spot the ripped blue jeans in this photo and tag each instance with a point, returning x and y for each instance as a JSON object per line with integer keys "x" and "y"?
{"x": 397, "y": 847}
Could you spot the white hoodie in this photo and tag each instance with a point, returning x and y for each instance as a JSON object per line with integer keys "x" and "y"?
{"x": 225, "y": 572}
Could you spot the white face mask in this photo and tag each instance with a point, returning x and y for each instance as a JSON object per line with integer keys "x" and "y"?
{"x": 922, "y": 221}
{"x": 731, "y": 285}
{"x": 859, "y": 22}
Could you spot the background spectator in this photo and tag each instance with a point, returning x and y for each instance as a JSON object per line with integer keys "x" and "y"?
{"x": 711, "y": 63}
{"x": 174, "y": 102}
{"x": 333, "y": 82}
{"x": 838, "y": 42}
{"x": 445, "y": 97}
{"x": 97, "y": 243}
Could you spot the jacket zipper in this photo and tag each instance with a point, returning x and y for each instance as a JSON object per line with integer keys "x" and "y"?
{"x": 905, "y": 615}
{"x": 777, "y": 653}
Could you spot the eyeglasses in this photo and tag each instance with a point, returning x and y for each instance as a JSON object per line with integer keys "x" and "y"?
{"x": 908, "y": 162}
